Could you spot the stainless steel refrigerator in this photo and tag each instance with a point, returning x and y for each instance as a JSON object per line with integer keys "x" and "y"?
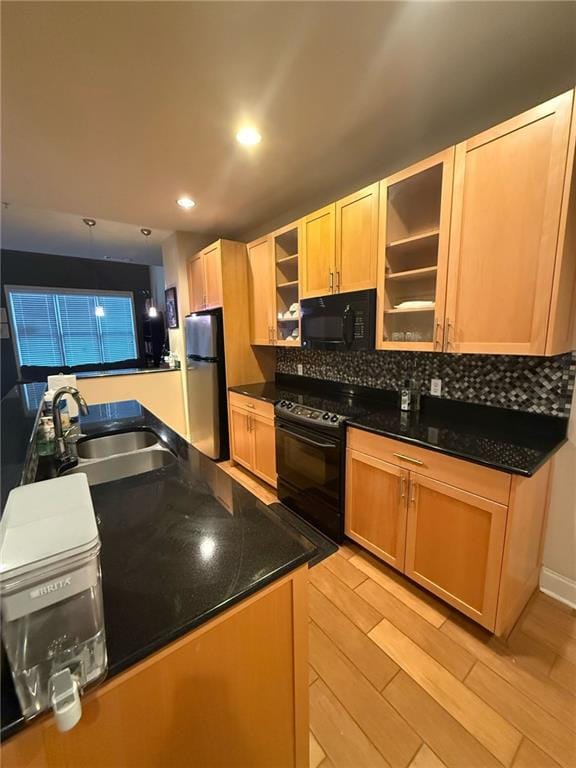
{"x": 206, "y": 383}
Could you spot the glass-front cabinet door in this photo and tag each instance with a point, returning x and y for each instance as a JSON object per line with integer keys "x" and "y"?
{"x": 285, "y": 254}
{"x": 413, "y": 242}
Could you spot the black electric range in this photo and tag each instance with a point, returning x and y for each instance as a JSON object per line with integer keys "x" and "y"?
{"x": 310, "y": 455}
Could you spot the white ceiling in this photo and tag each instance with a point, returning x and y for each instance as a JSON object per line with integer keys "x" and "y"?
{"x": 42, "y": 231}
{"x": 118, "y": 108}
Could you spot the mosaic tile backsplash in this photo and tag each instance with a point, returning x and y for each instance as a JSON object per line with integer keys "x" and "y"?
{"x": 533, "y": 384}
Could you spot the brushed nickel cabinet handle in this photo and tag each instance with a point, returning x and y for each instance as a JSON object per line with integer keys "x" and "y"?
{"x": 412, "y": 491}
{"x": 408, "y": 458}
{"x": 437, "y": 342}
{"x": 247, "y": 422}
{"x": 338, "y": 280}
{"x": 331, "y": 281}
{"x": 448, "y": 326}
{"x": 250, "y": 405}
{"x": 402, "y": 486}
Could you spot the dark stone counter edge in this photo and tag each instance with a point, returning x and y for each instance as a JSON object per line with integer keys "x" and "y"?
{"x": 122, "y": 372}
{"x": 162, "y": 642}
{"x": 462, "y": 455}
{"x": 246, "y": 391}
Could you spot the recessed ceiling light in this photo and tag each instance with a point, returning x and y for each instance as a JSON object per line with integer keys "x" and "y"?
{"x": 186, "y": 202}
{"x": 248, "y": 136}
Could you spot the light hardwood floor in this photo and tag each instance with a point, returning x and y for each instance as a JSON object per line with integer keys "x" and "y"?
{"x": 399, "y": 680}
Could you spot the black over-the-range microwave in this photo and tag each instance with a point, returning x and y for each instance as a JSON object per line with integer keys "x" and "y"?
{"x": 340, "y": 321}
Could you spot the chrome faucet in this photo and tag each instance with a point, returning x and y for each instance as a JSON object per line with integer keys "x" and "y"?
{"x": 61, "y": 449}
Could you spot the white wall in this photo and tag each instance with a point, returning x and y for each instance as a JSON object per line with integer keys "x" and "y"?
{"x": 559, "y": 564}
{"x": 157, "y": 284}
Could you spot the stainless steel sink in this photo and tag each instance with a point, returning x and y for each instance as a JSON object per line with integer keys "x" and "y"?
{"x": 124, "y": 465}
{"x": 102, "y": 446}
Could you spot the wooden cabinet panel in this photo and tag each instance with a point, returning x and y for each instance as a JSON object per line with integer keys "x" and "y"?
{"x": 483, "y": 481}
{"x": 454, "y": 546}
{"x": 415, "y": 207}
{"x": 264, "y": 436}
{"x": 508, "y": 186}
{"x": 242, "y": 444}
{"x": 375, "y": 514}
{"x": 196, "y": 701}
{"x": 213, "y": 275}
{"x": 357, "y": 240}
{"x": 254, "y": 405}
{"x": 253, "y": 438}
{"x": 196, "y": 286}
{"x": 262, "y": 293}
{"x": 318, "y": 253}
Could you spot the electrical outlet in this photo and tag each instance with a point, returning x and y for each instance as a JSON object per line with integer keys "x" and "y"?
{"x": 300, "y": 369}
{"x": 436, "y": 387}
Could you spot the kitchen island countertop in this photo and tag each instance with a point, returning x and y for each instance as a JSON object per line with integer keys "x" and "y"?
{"x": 173, "y": 555}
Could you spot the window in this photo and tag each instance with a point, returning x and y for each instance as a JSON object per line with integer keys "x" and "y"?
{"x": 55, "y": 327}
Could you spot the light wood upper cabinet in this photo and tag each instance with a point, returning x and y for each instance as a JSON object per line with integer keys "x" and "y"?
{"x": 376, "y": 498}
{"x": 205, "y": 278}
{"x": 454, "y": 546}
{"x": 511, "y": 187}
{"x": 213, "y": 275}
{"x": 196, "y": 288}
{"x": 357, "y": 241}
{"x": 261, "y": 287}
{"x": 414, "y": 236}
{"x": 318, "y": 252}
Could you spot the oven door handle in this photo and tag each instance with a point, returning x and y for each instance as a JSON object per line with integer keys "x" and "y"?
{"x": 299, "y": 436}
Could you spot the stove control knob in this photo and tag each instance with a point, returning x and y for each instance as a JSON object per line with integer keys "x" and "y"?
{"x": 334, "y": 419}
{"x": 283, "y": 404}
{"x": 289, "y": 405}
{"x": 326, "y": 416}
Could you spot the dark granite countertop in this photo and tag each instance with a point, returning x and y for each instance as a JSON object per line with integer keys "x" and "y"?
{"x": 122, "y": 372}
{"x": 265, "y": 390}
{"x": 510, "y": 441}
{"x": 19, "y": 412}
{"x": 173, "y": 555}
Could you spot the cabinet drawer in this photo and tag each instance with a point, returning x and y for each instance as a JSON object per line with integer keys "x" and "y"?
{"x": 252, "y": 404}
{"x": 483, "y": 481}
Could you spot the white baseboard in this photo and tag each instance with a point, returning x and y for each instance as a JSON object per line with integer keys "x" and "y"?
{"x": 558, "y": 586}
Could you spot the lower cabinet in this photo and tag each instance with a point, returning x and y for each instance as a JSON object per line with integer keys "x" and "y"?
{"x": 454, "y": 546}
{"x": 232, "y": 693}
{"x": 376, "y": 506}
{"x": 252, "y": 436}
{"x": 469, "y": 534}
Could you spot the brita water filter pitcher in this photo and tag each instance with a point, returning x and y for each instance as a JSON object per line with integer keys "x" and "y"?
{"x": 51, "y": 596}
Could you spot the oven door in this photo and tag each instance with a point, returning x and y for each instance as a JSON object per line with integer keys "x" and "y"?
{"x": 310, "y": 476}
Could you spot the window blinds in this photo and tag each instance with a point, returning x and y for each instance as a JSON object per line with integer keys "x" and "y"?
{"x": 69, "y": 328}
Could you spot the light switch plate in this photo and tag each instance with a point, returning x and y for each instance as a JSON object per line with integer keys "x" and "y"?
{"x": 300, "y": 369}
{"x": 436, "y": 387}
